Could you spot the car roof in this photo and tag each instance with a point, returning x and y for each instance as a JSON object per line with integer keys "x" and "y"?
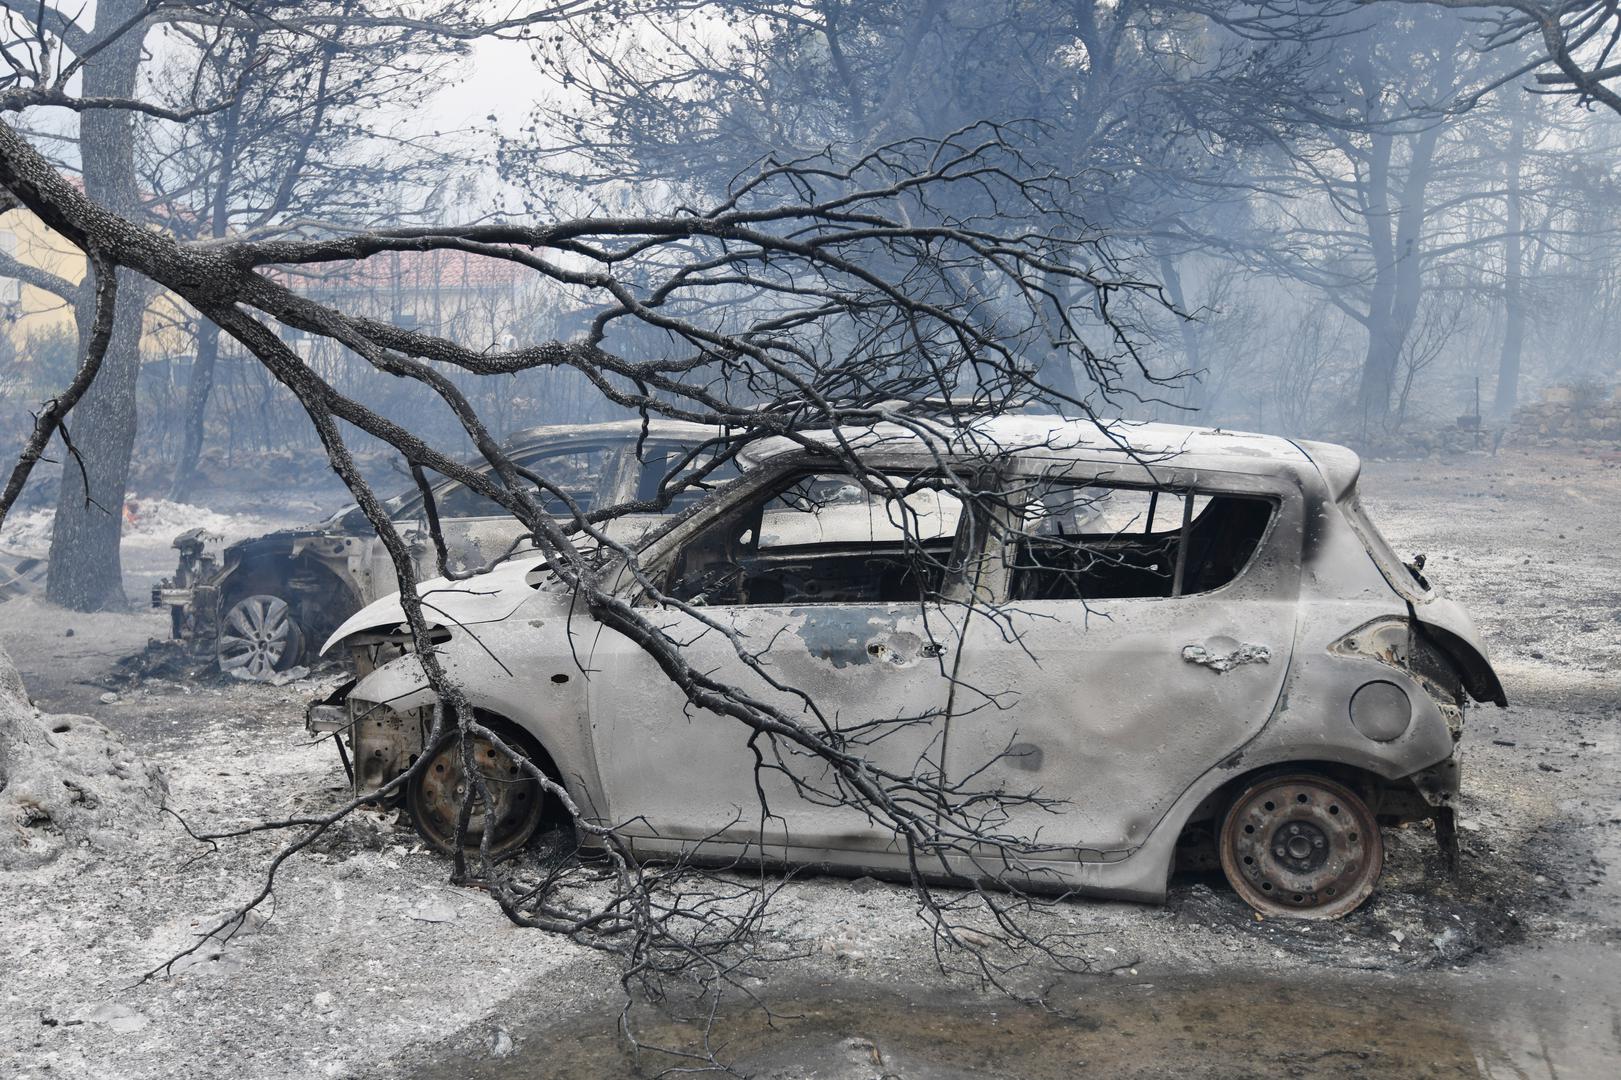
{"x": 1055, "y": 437}
{"x": 610, "y": 431}
{"x": 1036, "y": 436}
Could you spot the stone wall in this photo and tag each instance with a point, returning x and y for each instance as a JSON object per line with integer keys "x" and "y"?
{"x": 1581, "y": 415}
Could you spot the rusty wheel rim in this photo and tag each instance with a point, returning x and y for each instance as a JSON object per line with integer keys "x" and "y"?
{"x": 1301, "y": 846}
{"x": 435, "y": 798}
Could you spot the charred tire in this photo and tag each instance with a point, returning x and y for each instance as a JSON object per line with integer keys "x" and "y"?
{"x": 434, "y": 798}
{"x": 1302, "y": 846}
{"x": 259, "y": 636}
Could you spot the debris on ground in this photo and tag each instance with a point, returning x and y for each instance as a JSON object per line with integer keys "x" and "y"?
{"x": 162, "y": 658}
{"x": 168, "y": 660}
{"x": 65, "y": 781}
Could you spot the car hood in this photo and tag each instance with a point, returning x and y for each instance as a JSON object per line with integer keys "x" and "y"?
{"x": 483, "y": 598}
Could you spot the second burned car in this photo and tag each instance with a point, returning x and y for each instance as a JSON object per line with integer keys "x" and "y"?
{"x": 1176, "y": 637}
{"x": 263, "y": 605}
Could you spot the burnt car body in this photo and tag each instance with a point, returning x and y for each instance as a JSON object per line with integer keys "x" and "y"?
{"x": 262, "y": 605}
{"x": 1197, "y": 636}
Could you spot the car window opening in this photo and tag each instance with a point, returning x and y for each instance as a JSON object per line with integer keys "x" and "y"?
{"x": 577, "y": 472}
{"x": 674, "y": 467}
{"x": 1096, "y": 542}
{"x": 824, "y": 539}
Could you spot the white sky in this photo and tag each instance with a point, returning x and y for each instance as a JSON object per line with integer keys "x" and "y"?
{"x": 501, "y": 79}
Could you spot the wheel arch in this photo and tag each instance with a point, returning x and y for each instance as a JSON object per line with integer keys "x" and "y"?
{"x": 1193, "y": 839}
{"x": 257, "y": 568}
{"x": 270, "y": 570}
{"x": 532, "y": 745}
{"x": 1367, "y": 784}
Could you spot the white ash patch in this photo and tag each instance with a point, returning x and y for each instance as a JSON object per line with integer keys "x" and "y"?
{"x": 150, "y": 526}
{"x": 65, "y": 782}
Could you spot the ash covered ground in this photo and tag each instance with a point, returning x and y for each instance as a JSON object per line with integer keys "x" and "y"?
{"x": 369, "y": 964}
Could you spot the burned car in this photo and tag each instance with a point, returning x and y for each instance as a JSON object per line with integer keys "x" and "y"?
{"x": 1180, "y": 638}
{"x": 263, "y": 604}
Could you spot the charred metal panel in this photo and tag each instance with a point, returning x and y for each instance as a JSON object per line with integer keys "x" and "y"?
{"x": 1124, "y": 718}
{"x": 679, "y": 772}
{"x": 1221, "y": 654}
{"x": 383, "y": 741}
{"x": 499, "y": 675}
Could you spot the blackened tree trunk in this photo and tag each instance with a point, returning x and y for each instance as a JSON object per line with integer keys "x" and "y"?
{"x": 200, "y": 386}
{"x": 1396, "y": 234}
{"x": 1379, "y": 363}
{"x": 85, "y": 571}
{"x": 1508, "y": 361}
{"x": 1193, "y": 388}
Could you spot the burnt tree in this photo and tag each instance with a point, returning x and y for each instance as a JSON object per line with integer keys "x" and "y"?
{"x": 90, "y": 63}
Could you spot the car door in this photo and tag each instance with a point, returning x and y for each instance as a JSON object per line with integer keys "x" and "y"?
{"x": 839, "y": 608}
{"x": 1144, "y": 636}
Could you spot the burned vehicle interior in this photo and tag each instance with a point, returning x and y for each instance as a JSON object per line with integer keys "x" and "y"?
{"x": 824, "y": 538}
{"x": 576, "y": 473}
{"x": 827, "y": 538}
{"x": 1092, "y": 541}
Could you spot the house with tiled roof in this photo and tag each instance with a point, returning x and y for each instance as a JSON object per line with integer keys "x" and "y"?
{"x": 435, "y": 291}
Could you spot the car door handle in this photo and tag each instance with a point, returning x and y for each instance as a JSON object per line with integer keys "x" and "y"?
{"x": 903, "y": 652}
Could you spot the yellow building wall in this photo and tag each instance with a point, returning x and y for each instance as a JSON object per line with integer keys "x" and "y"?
{"x": 27, "y": 311}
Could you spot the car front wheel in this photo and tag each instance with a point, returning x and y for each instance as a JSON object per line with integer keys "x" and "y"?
{"x": 434, "y": 798}
{"x": 1301, "y": 845}
{"x": 259, "y": 636}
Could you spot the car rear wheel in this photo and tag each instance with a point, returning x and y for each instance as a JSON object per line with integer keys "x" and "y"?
{"x": 1302, "y": 846}
{"x": 259, "y": 637}
{"x": 434, "y": 798}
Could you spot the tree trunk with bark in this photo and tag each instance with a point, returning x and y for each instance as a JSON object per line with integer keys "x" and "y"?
{"x": 1194, "y": 388}
{"x": 1508, "y": 361}
{"x": 85, "y": 570}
